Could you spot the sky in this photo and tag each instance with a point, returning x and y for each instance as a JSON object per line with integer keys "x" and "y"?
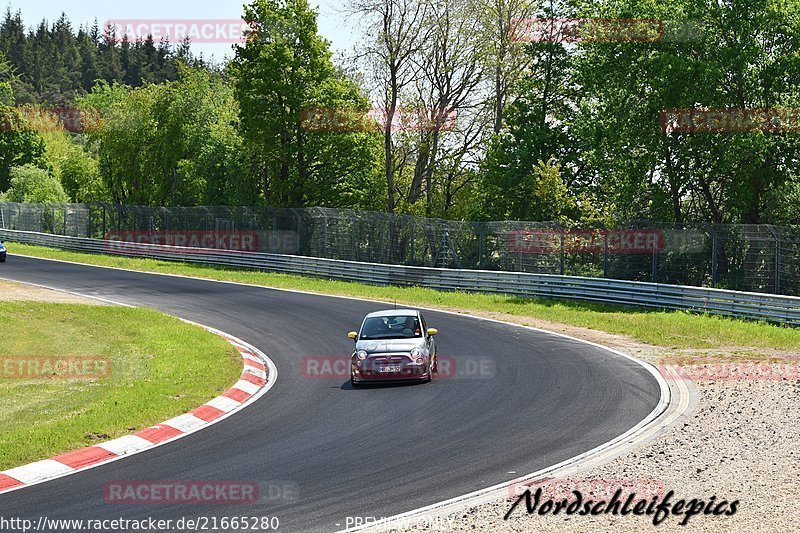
{"x": 333, "y": 24}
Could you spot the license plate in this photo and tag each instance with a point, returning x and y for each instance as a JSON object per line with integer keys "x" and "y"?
{"x": 390, "y": 369}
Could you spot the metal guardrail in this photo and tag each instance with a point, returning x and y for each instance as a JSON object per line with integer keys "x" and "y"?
{"x": 741, "y": 257}
{"x": 783, "y": 309}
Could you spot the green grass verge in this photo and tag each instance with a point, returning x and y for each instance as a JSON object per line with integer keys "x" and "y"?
{"x": 161, "y": 367}
{"x": 672, "y": 329}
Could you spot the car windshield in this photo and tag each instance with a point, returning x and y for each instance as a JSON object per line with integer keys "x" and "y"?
{"x": 391, "y": 327}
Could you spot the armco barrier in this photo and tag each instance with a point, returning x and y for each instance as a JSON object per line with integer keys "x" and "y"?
{"x": 783, "y": 309}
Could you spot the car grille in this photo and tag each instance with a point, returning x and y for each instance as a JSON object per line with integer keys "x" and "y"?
{"x": 402, "y": 360}
{"x": 390, "y": 358}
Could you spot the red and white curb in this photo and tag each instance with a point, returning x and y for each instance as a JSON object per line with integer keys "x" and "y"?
{"x": 258, "y": 376}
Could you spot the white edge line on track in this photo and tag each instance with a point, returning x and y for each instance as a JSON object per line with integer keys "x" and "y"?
{"x": 272, "y": 376}
{"x": 655, "y": 424}
{"x": 686, "y": 402}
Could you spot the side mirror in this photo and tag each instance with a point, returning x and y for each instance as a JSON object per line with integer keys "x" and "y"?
{"x": 433, "y": 331}
{"x": 353, "y": 335}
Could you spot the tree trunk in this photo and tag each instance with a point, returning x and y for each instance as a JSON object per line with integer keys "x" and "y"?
{"x": 674, "y": 188}
{"x": 302, "y": 168}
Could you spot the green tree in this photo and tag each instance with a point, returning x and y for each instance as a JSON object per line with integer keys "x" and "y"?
{"x": 282, "y": 72}
{"x": 175, "y": 143}
{"x": 217, "y": 159}
{"x": 81, "y": 179}
{"x": 30, "y": 184}
{"x": 20, "y": 143}
{"x": 539, "y": 193}
{"x": 738, "y": 55}
{"x": 536, "y": 127}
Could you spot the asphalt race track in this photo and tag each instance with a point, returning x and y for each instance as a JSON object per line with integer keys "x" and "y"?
{"x": 537, "y": 400}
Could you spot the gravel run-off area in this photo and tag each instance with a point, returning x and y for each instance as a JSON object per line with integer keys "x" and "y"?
{"x": 741, "y": 443}
{"x": 20, "y": 292}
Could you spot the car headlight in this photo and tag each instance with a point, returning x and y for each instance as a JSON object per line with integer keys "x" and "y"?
{"x": 418, "y": 354}
{"x": 361, "y": 354}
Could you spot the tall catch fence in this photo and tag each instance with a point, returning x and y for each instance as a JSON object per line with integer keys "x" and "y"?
{"x": 755, "y": 258}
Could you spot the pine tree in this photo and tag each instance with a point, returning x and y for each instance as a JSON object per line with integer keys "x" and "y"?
{"x": 52, "y": 64}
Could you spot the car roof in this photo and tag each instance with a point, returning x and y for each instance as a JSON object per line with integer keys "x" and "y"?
{"x": 394, "y": 312}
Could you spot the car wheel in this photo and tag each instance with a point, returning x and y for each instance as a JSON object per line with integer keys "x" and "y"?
{"x": 355, "y": 384}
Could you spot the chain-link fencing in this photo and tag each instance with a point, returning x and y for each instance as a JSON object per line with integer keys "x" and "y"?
{"x": 757, "y": 258}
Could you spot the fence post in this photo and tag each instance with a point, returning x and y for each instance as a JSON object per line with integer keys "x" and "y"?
{"x": 777, "y": 281}
{"x": 605, "y": 252}
{"x": 563, "y": 246}
{"x": 777, "y": 237}
{"x": 481, "y": 237}
{"x": 325, "y": 236}
{"x": 299, "y": 232}
{"x": 655, "y": 261}
{"x": 714, "y": 247}
{"x": 413, "y": 231}
{"x": 777, "y": 263}
{"x": 383, "y": 242}
{"x": 353, "y": 240}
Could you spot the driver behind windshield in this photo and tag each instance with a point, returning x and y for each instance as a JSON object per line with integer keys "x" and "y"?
{"x": 392, "y": 327}
{"x": 411, "y": 328}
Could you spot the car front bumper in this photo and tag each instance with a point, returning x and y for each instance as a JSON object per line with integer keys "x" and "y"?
{"x": 389, "y": 367}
